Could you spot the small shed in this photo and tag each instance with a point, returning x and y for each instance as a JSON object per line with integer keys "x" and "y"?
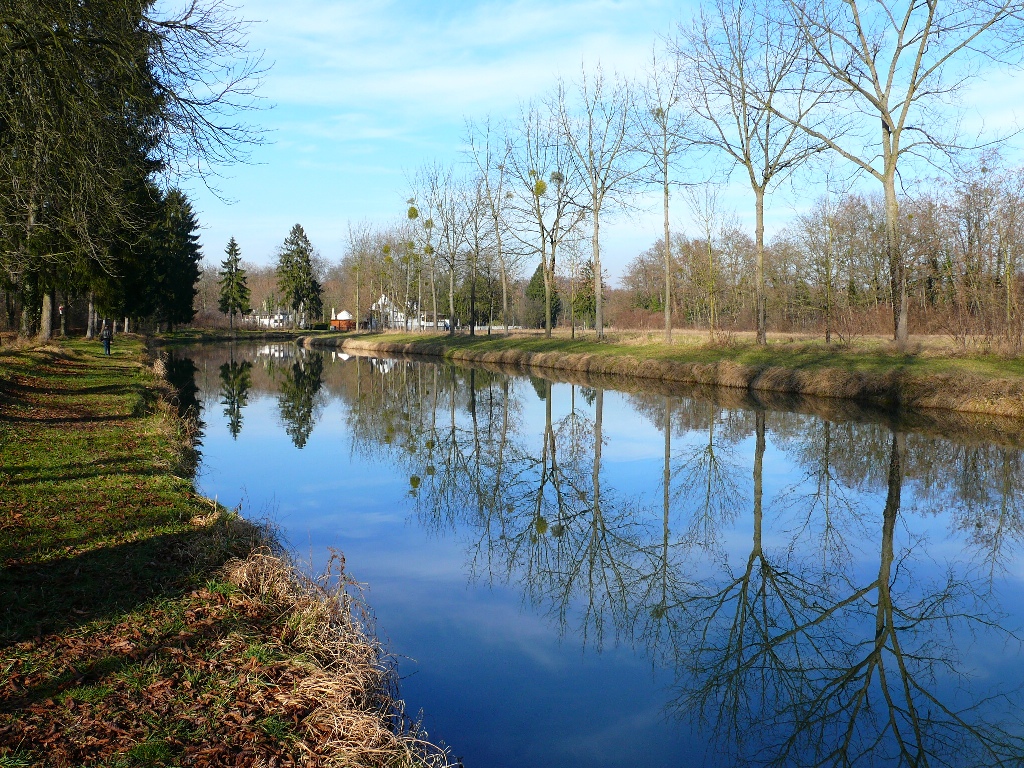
{"x": 342, "y": 321}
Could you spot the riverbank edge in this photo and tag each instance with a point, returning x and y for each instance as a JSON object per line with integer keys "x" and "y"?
{"x": 896, "y": 388}
{"x": 338, "y": 675}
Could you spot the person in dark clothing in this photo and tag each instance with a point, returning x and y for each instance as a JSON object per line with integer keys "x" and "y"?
{"x": 106, "y": 333}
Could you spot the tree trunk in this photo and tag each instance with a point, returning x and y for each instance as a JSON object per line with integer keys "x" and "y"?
{"x": 433, "y": 291}
{"x": 472, "y": 296}
{"x": 572, "y": 306}
{"x": 711, "y": 290}
{"x": 359, "y": 317}
{"x": 90, "y": 323}
{"x": 598, "y": 287}
{"x": 897, "y": 269}
{"x": 760, "y": 309}
{"x": 668, "y": 260}
{"x": 126, "y": 324}
{"x": 504, "y": 297}
{"x": 451, "y": 301}
{"x": 46, "y": 317}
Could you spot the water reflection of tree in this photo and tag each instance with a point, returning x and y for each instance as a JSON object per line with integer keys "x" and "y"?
{"x": 235, "y": 381}
{"x": 820, "y": 506}
{"x": 298, "y": 400}
{"x": 834, "y": 671}
{"x": 793, "y": 654}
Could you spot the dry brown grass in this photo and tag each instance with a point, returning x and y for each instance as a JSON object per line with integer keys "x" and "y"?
{"x": 347, "y": 688}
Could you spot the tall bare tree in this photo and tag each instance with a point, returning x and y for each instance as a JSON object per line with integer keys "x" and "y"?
{"x": 662, "y": 129}
{"x": 547, "y": 189}
{"x": 741, "y": 63}
{"x": 894, "y": 68}
{"x": 490, "y": 152}
{"x": 595, "y": 121}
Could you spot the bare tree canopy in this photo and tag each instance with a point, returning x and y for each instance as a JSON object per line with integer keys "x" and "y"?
{"x": 892, "y": 69}
{"x": 743, "y": 65}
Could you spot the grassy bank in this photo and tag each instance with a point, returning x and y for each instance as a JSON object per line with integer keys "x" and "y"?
{"x": 926, "y": 375}
{"x": 141, "y": 625}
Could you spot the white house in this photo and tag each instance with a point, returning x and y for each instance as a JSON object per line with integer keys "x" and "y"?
{"x": 279, "y": 319}
{"x": 386, "y": 314}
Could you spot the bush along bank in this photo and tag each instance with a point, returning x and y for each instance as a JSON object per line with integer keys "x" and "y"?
{"x": 887, "y": 379}
{"x": 141, "y": 624}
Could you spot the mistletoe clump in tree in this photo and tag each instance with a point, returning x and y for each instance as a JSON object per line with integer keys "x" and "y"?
{"x": 234, "y": 288}
{"x": 297, "y": 271}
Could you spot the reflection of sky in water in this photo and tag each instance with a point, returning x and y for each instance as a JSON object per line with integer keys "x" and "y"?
{"x": 493, "y": 674}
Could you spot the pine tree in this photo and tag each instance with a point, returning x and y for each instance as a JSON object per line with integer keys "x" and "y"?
{"x": 584, "y": 305}
{"x": 535, "y": 302}
{"x": 234, "y": 288}
{"x": 296, "y": 274}
{"x": 178, "y": 254}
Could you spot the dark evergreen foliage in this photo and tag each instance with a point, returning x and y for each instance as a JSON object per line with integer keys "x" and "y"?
{"x": 234, "y": 288}
{"x": 534, "y": 309}
{"x": 297, "y": 275}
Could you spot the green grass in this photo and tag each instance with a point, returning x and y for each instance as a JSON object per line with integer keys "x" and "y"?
{"x": 871, "y": 355}
{"x": 119, "y": 644}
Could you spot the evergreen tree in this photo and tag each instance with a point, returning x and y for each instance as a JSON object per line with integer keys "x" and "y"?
{"x": 535, "y": 301}
{"x": 584, "y": 305}
{"x": 153, "y": 273}
{"x": 234, "y": 288}
{"x": 178, "y": 254}
{"x": 297, "y": 274}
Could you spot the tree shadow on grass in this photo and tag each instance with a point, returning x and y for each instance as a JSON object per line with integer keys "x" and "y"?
{"x": 128, "y": 466}
{"x": 38, "y": 599}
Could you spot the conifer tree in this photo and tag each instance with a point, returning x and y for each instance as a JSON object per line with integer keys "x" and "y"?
{"x": 234, "y": 288}
{"x": 297, "y": 274}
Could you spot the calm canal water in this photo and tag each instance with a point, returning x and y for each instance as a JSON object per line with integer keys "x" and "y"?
{"x": 575, "y": 575}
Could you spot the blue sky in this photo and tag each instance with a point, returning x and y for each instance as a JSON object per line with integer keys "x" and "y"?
{"x": 363, "y": 93}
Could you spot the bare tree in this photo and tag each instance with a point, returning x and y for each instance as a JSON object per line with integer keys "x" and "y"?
{"x": 900, "y": 64}
{"x": 597, "y": 129}
{"x": 547, "y": 191}
{"x": 741, "y": 64}
{"x": 490, "y": 153}
{"x": 450, "y": 203}
{"x": 705, "y": 210}
{"x": 662, "y": 127}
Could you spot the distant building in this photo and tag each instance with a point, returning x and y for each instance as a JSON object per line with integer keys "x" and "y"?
{"x": 342, "y": 321}
{"x": 278, "y": 319}
{"x": 384, "y": 313}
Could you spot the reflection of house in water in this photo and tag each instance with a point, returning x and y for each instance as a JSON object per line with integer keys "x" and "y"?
{"x": 382, "y": 364}
{"x": 336, "y": 356}
{"x": 282, "y": 351}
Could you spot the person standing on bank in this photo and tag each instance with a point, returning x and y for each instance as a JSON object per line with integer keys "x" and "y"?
{"x": 106, "y": 333}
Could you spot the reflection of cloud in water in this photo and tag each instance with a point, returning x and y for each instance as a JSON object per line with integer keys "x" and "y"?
{"x": 423, "y": 474}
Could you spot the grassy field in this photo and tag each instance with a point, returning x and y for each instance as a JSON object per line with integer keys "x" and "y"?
{"x": 929, "y": 373}
{"x": 139, "y": 624}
